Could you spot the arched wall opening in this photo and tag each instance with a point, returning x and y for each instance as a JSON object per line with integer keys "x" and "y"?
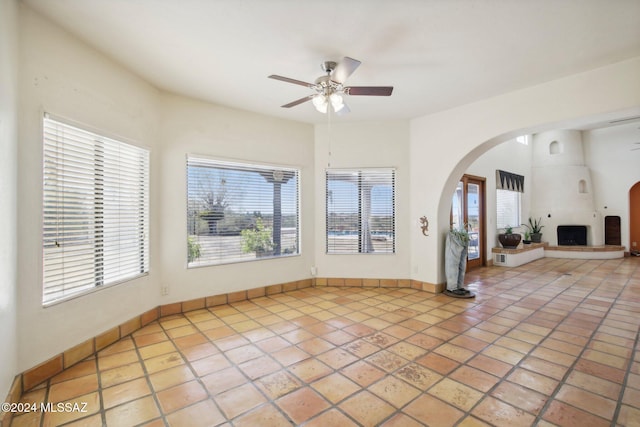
{"x": 442, "y": 145}
{"x": 459, "y": 169}
{"x": 634, "y": 219}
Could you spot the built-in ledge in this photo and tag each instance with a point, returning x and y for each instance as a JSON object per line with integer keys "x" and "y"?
{"x": 527, "y": 253}
{"x": 583, "y": 248}
{"x": 521, "y": 249}
{"x": 585, "y": 252}
{"x": 519, "y": 256}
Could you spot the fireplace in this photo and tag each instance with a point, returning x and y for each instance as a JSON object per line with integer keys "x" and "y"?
{"x": 572, "y": 235}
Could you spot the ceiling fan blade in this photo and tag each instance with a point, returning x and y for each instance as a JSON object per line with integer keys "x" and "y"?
{"x": 294, "y": 81}
{"x": 344, "y": 69}
{"x": 369, "y": 90}
{"x": 297, "y": 102}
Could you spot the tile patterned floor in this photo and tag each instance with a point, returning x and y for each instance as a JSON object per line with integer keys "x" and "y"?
{"x": 554, "y": 342}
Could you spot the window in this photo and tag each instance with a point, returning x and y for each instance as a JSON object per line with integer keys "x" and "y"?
{"x": 360, "y": 211}
{"x": 240, "y": 212}
{"x": 95, "y": 211}
{"x": 509, "y": 186}
{"x": 508, "y": 208}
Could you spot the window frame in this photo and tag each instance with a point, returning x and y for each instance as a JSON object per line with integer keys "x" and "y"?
{"x": 106, "y": 225}
{"x": 280, "y": 172}
{"x": 363, "y": 247}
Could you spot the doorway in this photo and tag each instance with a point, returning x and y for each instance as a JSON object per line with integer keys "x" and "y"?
{"x": 612, "y": 234}
{"x": 634, "y": 219}
{"x": 468, "y": 207}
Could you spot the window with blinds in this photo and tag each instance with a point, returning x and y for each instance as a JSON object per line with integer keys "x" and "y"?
{"x": 507, "y": 208}
{"x": 509, "y": 186}
{"x": 95, "y": 211}
{"x": 360, "y": 211}
{"x": 240, "y": 212}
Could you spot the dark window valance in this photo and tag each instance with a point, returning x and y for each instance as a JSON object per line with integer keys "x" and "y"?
{"x": 509, "y": 181}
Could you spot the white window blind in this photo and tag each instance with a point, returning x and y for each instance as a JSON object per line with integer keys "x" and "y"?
{"x": 240, "y": 212}
{"x": 360, "y": 211}
{"x": 507, "y": 208}
{"x": 95, "y": 211}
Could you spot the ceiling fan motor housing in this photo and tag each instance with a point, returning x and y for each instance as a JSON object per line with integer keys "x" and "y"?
{"x": 328, "y": 66}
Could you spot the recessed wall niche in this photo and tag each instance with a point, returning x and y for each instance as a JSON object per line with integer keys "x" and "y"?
{"x": 582, "y": 187}
{"x": 555, "y": 148}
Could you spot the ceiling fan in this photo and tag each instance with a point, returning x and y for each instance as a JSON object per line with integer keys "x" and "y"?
{"x": 330, "y": 88}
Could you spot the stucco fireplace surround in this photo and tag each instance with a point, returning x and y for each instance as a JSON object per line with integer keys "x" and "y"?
{"x": 562, "y": 191}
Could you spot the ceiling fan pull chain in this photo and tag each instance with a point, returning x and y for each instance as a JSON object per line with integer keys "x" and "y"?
{"x": 329, "y": 133}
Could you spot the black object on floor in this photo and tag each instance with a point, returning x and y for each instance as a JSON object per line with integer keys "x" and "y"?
{"x": 460, "y": 293}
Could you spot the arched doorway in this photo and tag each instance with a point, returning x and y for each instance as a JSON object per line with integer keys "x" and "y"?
{"x": 634, "y": 219}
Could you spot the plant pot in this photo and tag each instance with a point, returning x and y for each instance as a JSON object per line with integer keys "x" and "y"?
{"x": 212, "y": 218}
{"x": 526, "y": 242}
{"x": 509, "y": 241}
{"x": 536, "y": 237}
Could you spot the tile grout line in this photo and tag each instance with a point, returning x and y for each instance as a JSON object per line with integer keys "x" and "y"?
{"x": 486, "y": 394}
{"x": 332, "y": 405}
{"x": 103, "y": 411}
{"x": 363, "y": 359}
{"x": 571, "y": 368}
{"x": 457, "y": 334}
{"x": 269, "y": 401}
{"x": 147, "y": 379}
{"x": 619, "y": 403}
{"x": 517, "y": 365}
{"x": 399, "y": 410}
{"x": 635, "y": 350}
{"x": 580, "y": 299}
{"x": 444, "y": 341}
{"x": 233, "y": 365}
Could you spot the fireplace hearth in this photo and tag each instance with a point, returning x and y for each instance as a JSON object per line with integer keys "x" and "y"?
{"x": 572, "y": 235}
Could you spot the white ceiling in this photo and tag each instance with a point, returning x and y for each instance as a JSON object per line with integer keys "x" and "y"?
{"x": 436, "y": 53}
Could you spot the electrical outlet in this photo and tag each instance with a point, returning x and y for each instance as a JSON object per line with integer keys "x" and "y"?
{"x": 314, "y": 271}
{"x": 634, "y": 244}
{"x": 164, "y": 290}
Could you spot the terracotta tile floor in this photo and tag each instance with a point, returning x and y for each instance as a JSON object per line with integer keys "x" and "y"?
{"x": 554, "y": 342}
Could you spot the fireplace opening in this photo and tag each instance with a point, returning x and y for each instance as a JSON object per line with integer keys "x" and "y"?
{"x": 572, "y": 235}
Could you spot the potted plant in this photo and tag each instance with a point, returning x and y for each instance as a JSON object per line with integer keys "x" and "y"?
{"x": 456, "y": 249}
{"x": 212, "y": 216}
{"x": 509, "y": 239}
{"x": 535, "y": 229}
{"x": 257, "y": 240}
{"x": 527, "y": 238}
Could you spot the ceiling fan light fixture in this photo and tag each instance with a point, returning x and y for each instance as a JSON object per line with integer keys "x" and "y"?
{"x": 320, "y": 102}
{"x": 336, "y": 102}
